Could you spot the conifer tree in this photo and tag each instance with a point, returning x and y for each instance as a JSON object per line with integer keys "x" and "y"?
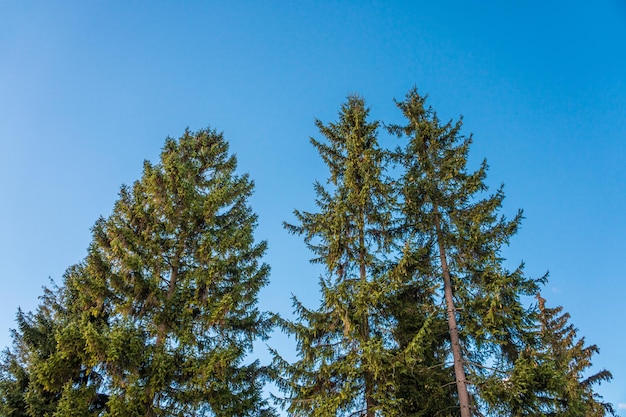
{"x": 159, "y": 318}
{"x": 175, "y": 271}
{"x": 551, "y": 375}
{"x": 21, "y": 394}
{"x": 345, "y": 346}
{"x": 573, "y": 388}
{"x": 570, "y": 359}
{"x": 463, "y": 235}
{"x": 44, "y": 370}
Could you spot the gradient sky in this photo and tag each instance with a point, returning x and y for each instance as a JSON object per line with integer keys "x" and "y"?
{"x": 88, "y": 90}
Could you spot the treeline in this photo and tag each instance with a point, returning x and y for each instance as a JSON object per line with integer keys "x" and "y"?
{"x": 418, "y": 315}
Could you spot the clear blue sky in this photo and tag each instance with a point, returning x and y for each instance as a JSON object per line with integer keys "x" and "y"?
{"x": 88, "y": 90}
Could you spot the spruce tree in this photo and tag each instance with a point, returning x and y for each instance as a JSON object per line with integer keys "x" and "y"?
{"x": 44, "y": 375}
{"x": 461, "y": 231}
{"x": 160, "y": 317}
{"x": 572, "y": 386}
{"x": 21, "y": 394}
{"x": 176, "y": 272}
{"x": 551, "y": 375}
{"x": 345, "y": 348}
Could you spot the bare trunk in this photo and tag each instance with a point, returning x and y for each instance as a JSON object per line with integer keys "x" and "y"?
{"x": 459, "y": 371}
{"x": 369, "y": 379}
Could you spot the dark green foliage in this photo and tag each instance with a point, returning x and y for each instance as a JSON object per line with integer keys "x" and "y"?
{"x": 473, "y": 233}
{"x": 421, "y": 332}
{"x": 44, "y": 369}
{"x": 550, "y": 376}
{"x": 444, "y": 208}
{"x": 162, "y": 312}
{"x": 415, "y": 281}
{"x": 14, "y": 383}
{"x": 571, "y": 385}
{"x": 512, "y": 368}
{"x": 345, "y": 346}
{"x": 21, "y": 393}
{"x": 418, "y": 314}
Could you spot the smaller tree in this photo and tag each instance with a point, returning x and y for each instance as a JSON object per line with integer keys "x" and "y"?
{"x": 573, "y": 389}
{"x": 551, "y": 376}
{"x": 21, "y": 394}
{"x": 44, "y": 371}
{"x": 14, "y": 383}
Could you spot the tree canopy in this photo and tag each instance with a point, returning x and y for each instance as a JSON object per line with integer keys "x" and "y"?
{"x": 419, "y": 314}
{"x": 163, "y": 308}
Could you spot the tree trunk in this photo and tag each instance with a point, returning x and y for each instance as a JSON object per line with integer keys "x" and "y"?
{"x": 369, "y": 379}
{"x": 163, "y": 329}
{"x": 171, "y": 291}
{"x": 459, "y": 371}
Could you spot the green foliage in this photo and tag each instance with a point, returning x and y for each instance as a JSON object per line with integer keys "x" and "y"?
{"x": 418, "y": 314}
{"x": 473, "y": 233}
{"x": 162, "y": 314}
{"x": 569, "y": 357}
{"x": 550, "y": 377}
{"x": 176, "y": 272}
{"x": 40, "y": 374}
{"x": 414, "y": 280}
{"x": 14, "y": 383}
{"x": 444, "y": 208}
{"x": 420, "y": 330}
{"x": 345, "y": 355}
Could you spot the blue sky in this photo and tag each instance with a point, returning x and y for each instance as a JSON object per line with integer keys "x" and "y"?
{"x": 88, "y": 90}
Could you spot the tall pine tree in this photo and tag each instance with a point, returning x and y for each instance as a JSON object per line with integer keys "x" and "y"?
{"x": 463, "y": 235}
{"x": 163, "y": 311}
{"x": 344, "y": 345}
{"x": 176, "y": 271}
